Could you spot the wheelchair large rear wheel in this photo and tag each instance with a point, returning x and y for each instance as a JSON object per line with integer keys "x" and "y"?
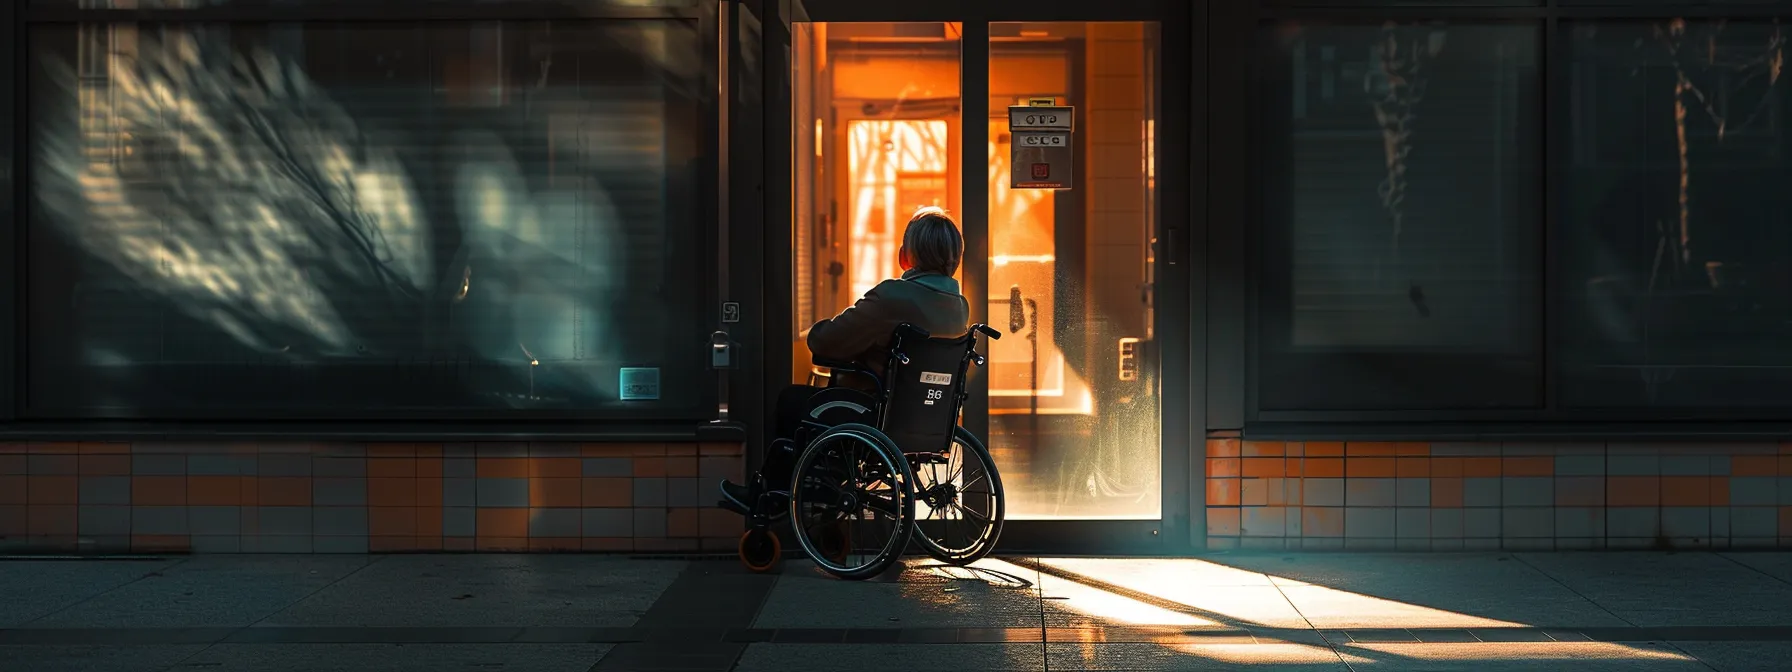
{"x": 961, "y": 505}
{"x": 852, "y": 502}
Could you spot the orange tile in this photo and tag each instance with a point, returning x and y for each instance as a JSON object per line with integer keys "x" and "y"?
{"x": 1369, "y": 467}
{"x": 399, "y": 544}
{"x": 1685, "y": 490}
{"x": 285, "y": 490}
{"x": 1786, "y": 465}
{"x": 1580, "y": 491}
{"x": 382, "y": 450}
{"x": 607, "y": 492}
{"x": 1412, "y": 449}
{"x": 1294, "y": 448}
{"x": 52, "y": 448}
{"x": 1222, "y": 467}
{"x": 1528, "y": 466}
{"x": 51, "y": 521}
{"x": 1293, "y": 467}
{"x": 650, "y": 467}
{"x": 1412, "y": 467}
{"x": 391, "y": 467}
{"x": 1282, "y": 491}
{"x": 105, "y": 465}
{"x": 1222, "y": 492}
{"x": 429, "y": 467}
{"x": 681, "y": 522}
{"x": 1223, "y": 447}
{"x": 554, "y": 467}
{"x": 1754, "y": 465}
{"x": 430, "y": 544}
{"x": 105, "y": 448}
{"x": 12, "y": 448}
{"x": 12, "y": 491}
{"x": 1222, "y": 522}
{"x": 389, "y": 491}
{"x": 429, "y": 491}
{"x": 1264, "y": 467}
{"x": 429, "y": 521}
{"x": 1322, "y": 467}
{"x": 604, "y": 450}
{"x": 1369, "y": 449}
{"x": 647, "y": 449}
{"x": 1446, "y": 467}
{"x": 721, "y": 449}
{"x": 715, "y": 523}
{"x": 15, "y": 521}
{"x": 1633, "y": 491}
{"x": 1325, "y": 449}
{"x": 1321, "y": 521}
{"x": 392, "y": 521}
{"x": 13, "y": 465}
{"x": 679, "y": 466}
{"x": 52, "y": 490}
{"x": 214, "y": 490}
{"x": 509, "y": 523}
{"x": 1264, "y": 449}
{"x": 555, "y": 544}
{"x": 143, "y": 543}
{"x": 502, "y": 544}
{"x": 249, "y": 490}
{"x": 503, "y": 467}
{"x": 1446, "y": 493}
{"x": 1720, "y": 490}
{"x": 1786, "y": 521}
{"x": 428, "y": 449}
{"x": 1481, "y": 467}
{"x": 555, "y": 492}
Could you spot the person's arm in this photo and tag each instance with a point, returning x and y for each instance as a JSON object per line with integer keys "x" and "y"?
{"x": 851, "y": 333}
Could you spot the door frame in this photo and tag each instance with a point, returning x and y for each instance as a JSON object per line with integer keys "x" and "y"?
{"x": 1179, "y": 319}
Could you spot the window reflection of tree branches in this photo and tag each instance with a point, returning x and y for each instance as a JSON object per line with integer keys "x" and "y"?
{"x": 1676, "y": 266}
{"x": 374, "y": 216}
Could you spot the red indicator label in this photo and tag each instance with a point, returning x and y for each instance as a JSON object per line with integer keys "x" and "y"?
{"x": 1042, "y": 171}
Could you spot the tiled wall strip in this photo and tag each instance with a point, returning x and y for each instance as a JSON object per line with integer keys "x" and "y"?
{"x": 380, "y": 497}
{"x": 1455, "y": 496}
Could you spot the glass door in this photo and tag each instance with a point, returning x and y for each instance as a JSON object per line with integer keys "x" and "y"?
{"x": 888, "y": 117}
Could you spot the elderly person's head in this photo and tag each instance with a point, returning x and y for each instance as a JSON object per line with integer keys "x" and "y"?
{"x": 932, "y": 243}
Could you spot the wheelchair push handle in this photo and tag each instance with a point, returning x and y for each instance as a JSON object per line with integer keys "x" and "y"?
{"x": 987, "y": 331}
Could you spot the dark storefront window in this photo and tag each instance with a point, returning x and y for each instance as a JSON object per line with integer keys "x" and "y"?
{"x": 1401, "y": 217}
{"x": 380, "y": 219}
{"x": 1676, "y": 234}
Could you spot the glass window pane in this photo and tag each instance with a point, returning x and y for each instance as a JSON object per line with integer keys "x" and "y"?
{"x": 312, "y": 218}
{"x": 1401, "y": 218}
{"x": 1676, "y": 276}
{"x": 1074, "y": 430}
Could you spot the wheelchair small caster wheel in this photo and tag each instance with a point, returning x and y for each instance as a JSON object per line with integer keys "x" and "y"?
{"x": 760, "y": 550}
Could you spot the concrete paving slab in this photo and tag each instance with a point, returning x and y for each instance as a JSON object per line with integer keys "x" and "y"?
{"x": 1515, "y": 656}
{"x": 1126, "y": 599}
{"x": 1438, "y": 590}
{"x": 32, "y": 589}
{"x": 1193, "y": 657}
{"x": 94, "y": 658}
{"x": 394, "y": 657}
{"x": 209, "y": 591}
{"x": 1776, "y": 565}
{"x": 1740, "y": 656}
{"x": 472, "y": 590}
{"x": 1671, "y": 589}
{"x": 991, "y": 594}
{"x": 891, "y": 657}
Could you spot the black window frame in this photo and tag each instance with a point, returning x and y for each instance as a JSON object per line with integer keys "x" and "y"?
{"x": 19, "y": 18}
{"x": 1552, "y": 418}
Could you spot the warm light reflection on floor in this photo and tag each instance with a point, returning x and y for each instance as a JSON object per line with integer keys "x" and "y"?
{"x": 1199, "y": 594}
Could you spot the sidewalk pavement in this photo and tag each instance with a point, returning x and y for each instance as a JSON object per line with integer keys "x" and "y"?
{"x": 1434, "y": 611}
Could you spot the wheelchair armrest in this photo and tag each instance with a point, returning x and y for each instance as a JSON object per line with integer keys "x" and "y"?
{"x": 837, "y": 365}
{"x": 987, "y": 331}
{"x": 912, "y": 331}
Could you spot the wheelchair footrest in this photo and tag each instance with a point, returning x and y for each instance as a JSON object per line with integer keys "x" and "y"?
{"x": 730, "y": 505}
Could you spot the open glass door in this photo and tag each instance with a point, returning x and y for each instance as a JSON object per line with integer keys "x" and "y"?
{"x": 886, "y": 118}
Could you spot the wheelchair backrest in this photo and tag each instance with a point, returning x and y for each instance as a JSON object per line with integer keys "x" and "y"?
{"x": 923, "y": 396}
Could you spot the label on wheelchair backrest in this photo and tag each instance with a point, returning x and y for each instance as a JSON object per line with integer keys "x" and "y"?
{"x": 931, "y": 378}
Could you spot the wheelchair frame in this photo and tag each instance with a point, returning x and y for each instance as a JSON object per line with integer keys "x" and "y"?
{"x": 760, "y": 549}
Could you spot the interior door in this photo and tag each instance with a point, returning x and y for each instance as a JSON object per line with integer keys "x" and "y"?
{"x": 887, "y": 116}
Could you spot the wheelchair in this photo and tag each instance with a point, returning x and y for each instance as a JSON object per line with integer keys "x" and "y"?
{"x": 874, "y": 468}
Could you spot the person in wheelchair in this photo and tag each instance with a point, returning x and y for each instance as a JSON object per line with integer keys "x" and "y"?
{"x": 926, "y": 296}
